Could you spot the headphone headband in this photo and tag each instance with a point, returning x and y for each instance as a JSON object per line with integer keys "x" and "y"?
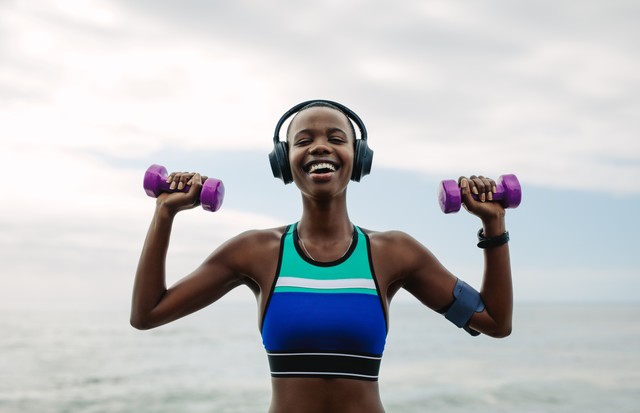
{"x": 345, "y": 110}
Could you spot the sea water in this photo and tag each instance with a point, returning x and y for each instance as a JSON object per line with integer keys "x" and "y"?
{"x": 560, "y": 358}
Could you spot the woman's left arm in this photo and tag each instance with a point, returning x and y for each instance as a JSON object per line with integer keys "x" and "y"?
{"x": 422, "y": 275}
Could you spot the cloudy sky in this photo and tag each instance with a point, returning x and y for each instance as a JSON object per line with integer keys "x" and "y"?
{"x": 93, "y": 92}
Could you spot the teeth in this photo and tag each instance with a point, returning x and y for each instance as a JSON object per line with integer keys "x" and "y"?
{"x": 322, "y": 165}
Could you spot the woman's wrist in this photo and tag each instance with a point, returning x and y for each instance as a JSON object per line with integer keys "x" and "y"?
{"x": 164, "y": 212}
{"x": 494, "y": 227}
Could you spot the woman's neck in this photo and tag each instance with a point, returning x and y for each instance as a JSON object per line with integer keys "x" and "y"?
{"x": 326, "y": 221}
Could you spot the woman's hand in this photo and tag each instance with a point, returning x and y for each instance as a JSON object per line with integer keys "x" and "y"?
{"x": 181, "y": 200}
{"x": 477, "y": 197}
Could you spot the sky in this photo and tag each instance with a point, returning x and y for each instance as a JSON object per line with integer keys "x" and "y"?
{"x": 93, "y": 92}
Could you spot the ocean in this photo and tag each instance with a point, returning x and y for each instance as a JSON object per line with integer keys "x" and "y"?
{"x": 560, "y": 358}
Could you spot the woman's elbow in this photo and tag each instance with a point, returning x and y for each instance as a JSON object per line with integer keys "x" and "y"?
{"x": 500, "y": 332}
{"x": 140, "y": 323}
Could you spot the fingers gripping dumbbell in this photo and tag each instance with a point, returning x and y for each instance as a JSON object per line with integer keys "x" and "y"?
{"x": 508, "y": 193}
{"x": 155, "y": 183}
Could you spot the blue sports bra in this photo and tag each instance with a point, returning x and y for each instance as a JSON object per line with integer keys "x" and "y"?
{"x": 325, "y": 319}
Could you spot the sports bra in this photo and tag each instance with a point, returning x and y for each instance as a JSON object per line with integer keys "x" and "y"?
{"x": 324, "y": 319}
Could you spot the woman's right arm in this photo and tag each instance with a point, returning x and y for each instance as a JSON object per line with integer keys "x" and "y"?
{"x": 153, "y": 304}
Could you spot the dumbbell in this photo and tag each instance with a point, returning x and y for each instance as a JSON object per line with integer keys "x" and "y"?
{"x": 508, "y": 192}
{"x": 155, "y": 183}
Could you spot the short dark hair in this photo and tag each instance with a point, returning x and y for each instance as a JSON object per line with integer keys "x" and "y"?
{"x": 325, "y": 105}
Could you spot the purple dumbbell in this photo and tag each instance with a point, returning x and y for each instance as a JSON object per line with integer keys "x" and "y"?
{"x": 508, "y": 192}
{"x": 155, "y": 182}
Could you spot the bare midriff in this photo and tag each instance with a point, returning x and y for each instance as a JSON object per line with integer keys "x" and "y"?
{"x": 318, "y": 395}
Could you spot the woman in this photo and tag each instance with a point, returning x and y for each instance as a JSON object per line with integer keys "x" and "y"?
{"x": 324, "y": 285}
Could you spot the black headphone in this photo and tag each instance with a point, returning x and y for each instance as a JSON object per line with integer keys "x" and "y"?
{"x": 279, "y": 156}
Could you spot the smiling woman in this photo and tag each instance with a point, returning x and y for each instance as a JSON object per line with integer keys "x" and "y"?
{"x": 362, "y": 158}
{"x": 324, "y": 285}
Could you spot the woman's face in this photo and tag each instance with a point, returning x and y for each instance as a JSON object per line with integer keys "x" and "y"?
{"x": 321, "y": 149}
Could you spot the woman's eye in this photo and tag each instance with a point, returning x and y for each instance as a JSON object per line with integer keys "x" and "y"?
{"x": 302, "y": 142}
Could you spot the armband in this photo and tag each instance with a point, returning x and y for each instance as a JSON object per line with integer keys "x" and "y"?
{"x": 466, "y": 301}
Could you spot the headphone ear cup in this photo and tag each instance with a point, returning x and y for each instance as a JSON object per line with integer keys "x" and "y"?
{"x": 279, "y": 160}
{"x": 363, "y": 158}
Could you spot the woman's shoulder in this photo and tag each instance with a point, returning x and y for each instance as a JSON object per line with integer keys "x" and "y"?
{"x": 394, "y": 243}
{"x": 388, "y": 236}
{"x": 260, "y": 236}
{"x": 396, "y": 255}
{"x": 251, "y": 252}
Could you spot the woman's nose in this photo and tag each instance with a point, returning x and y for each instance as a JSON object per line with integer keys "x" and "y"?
{"x": 320, "y": 147}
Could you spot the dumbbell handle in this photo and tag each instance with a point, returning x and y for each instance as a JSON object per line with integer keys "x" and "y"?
{"x": 165, "y": 187}
{"x": 210, "y": 196}
{"x": 508, "y": 193}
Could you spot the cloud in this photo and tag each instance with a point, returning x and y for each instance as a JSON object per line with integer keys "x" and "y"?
{"x": 92, "y": 94}
{"x": 537, "y": 89}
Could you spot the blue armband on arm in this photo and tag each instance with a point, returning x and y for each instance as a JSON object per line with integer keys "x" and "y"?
{"x": 466, "y": 301}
